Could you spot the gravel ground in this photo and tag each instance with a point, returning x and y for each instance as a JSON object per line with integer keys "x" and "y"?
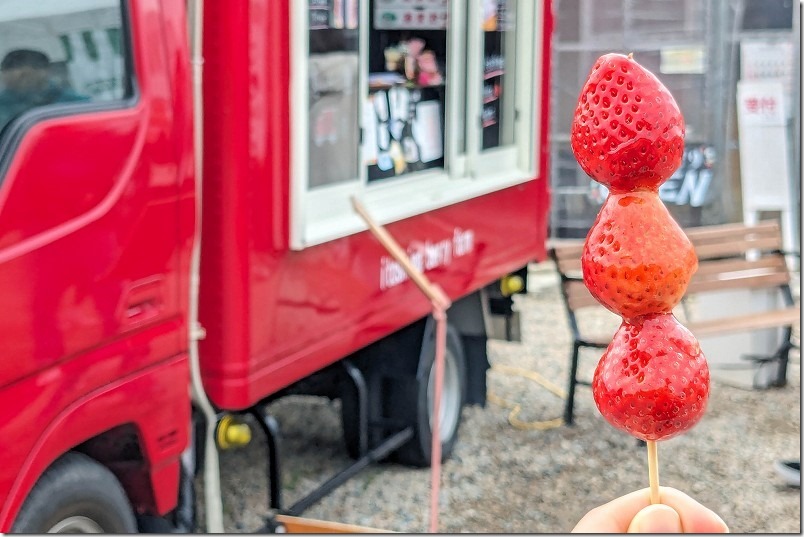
{"x": 505, "y": 479}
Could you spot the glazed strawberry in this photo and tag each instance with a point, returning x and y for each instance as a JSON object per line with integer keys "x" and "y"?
{"x": 636, "y": 259}
{"x": 628, "y": 132}
{"x": 653, "y": 381}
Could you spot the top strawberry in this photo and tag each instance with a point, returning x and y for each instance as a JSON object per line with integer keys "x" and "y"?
{"x": 628, "y": 132}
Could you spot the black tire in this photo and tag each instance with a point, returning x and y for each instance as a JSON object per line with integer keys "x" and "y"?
{"x": 76, "y": 493}
{"x": 411, "y": 402}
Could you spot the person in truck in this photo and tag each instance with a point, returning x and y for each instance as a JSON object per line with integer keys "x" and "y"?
{"x": 26, "y": 81}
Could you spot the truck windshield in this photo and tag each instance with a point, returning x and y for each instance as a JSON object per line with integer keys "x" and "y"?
{"x": 54, "y": 52}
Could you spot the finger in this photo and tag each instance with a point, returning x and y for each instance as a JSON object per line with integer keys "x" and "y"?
{"x": 658, "y": 518}
{"x": 615, "y": 516}
{"x": 695, "y": 518}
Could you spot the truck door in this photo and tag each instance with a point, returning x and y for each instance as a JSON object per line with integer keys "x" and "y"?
{"x": 88, "y": 180}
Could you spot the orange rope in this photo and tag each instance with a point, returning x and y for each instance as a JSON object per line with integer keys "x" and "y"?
{"x": 435, "y": 451}
{"x": 440, "y": 303}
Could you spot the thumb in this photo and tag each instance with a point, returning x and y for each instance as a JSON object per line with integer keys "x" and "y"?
{"x": 657, "y": 518}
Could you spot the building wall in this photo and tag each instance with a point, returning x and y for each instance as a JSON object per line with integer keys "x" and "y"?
{"x": 694, "y": 48}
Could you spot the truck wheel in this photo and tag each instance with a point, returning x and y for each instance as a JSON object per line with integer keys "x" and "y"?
{"x": 76, "y": 495}
{"x": 414, "y": 404}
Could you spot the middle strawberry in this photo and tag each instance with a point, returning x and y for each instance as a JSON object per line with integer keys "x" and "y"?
{"x": 636, "y": 259}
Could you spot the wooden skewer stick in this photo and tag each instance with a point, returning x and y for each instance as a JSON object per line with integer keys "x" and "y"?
{"x": 653, "y": 471}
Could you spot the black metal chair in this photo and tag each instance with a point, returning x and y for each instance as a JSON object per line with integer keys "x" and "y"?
{"x": 567, "y": 257}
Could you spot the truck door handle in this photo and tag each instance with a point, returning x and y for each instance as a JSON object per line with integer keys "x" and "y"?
{"x": 144, "y": 301}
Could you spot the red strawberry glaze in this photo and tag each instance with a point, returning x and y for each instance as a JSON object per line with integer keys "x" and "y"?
{"x": 653, "y": 381}
{"x": 628, "y": 132}
{"x": 636, "y": 259}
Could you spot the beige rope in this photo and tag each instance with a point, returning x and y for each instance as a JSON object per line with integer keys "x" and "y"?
{"x": 516, "y": 408}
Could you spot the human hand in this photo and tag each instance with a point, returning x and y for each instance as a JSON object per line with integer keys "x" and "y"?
{"x": 633, "y": 513}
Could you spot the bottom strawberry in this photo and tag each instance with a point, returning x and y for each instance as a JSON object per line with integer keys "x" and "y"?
{"x": 653, "y": 381}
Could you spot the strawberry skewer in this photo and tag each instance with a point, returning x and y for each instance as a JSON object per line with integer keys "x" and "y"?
{"x": 628, "y": 134}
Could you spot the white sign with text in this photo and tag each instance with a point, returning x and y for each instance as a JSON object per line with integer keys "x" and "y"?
{"x": 426, "y": 255}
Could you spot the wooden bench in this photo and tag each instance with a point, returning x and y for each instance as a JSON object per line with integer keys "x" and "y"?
{"x": 730, "y": 257}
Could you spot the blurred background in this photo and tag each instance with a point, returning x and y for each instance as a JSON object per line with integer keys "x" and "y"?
{"x": 734, "y": 69}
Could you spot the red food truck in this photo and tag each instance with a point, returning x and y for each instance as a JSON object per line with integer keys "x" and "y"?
{"x": 178, "y": 246}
